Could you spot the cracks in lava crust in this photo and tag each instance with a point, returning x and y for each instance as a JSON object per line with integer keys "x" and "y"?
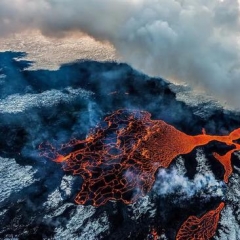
{"x": 119, "y": 158}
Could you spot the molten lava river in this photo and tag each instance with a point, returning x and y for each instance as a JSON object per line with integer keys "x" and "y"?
{"x": 119, "y": 158}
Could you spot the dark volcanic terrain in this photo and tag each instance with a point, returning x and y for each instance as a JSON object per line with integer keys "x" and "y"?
{"x": 37, "y": 196}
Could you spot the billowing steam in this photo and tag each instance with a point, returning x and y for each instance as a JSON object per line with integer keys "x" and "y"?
{"x": 182, "y": 40}
{"x": 174, "y": 181}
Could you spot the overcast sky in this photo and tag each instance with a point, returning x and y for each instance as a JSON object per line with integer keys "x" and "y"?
{"x": 196, "y": 42}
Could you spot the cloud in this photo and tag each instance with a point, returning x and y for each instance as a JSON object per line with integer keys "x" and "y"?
{"x": 196, "y": 42}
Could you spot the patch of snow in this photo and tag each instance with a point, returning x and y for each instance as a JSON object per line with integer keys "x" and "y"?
{"x": 17, "y": 103}
{"x": 13, "y": 177}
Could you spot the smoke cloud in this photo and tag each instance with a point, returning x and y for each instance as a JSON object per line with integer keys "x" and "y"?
{"x": 196, "y": 42}
{"x": 175, "y": 181}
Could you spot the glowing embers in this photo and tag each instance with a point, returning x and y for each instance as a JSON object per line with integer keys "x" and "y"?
{"x": 118, "y": 160}
{"x": 200, "y": 228}
{"x": 153, "y": 235}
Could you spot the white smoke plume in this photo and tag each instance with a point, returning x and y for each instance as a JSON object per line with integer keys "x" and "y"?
{"x": 174, "y": 181}
{"x": 196, "y": 42}
{"x": 204, "y": 185}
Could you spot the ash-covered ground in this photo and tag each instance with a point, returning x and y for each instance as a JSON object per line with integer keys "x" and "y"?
{"x": 37, "y": 196}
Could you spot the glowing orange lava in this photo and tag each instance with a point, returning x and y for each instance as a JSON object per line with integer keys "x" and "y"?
{"x": 154, "y": 234}
{"x": 200, "y": 228}
{"x": 119, "y": 159}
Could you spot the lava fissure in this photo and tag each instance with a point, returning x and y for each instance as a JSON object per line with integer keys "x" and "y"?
{"x": 200, "y": 228}
{"x": 119, "y": 159}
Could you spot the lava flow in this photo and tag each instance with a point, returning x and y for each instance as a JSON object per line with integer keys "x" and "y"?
{"x": 119, "y": 159}
{"x": 200, "y": 228}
